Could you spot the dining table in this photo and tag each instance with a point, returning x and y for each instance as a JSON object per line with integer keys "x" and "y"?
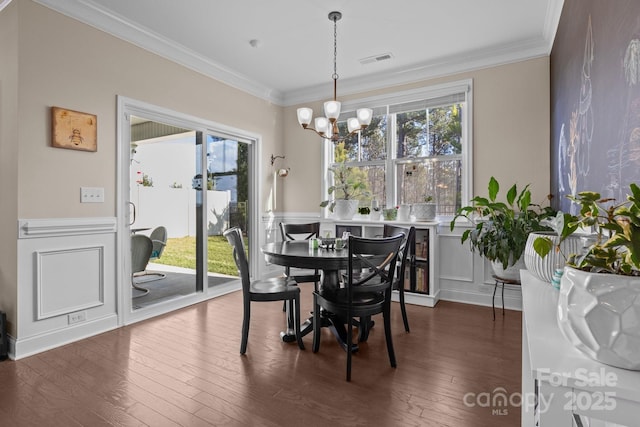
{"x": 330, "y": 261}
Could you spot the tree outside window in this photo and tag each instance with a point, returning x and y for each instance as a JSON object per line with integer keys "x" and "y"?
{"x": 417, "y": 147}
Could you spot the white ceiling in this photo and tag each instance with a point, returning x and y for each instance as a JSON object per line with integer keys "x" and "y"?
{"x": 292, "y": 62}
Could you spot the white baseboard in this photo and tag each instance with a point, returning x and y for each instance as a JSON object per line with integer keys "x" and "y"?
{"x": 510, "y": 302}
{"x": 32, "y": 345}
{"x": 417, "y": 299}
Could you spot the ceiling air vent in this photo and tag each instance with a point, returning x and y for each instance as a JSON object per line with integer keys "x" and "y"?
{"x": 376, "y": 58}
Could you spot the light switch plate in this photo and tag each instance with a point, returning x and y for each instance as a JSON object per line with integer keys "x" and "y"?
{"x": 91, "y": 195}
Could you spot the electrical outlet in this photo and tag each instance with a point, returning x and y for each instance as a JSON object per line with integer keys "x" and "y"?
{"x": 78, "y": 317}
{"x": 91, "y": 195}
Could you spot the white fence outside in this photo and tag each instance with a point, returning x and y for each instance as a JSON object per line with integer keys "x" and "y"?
{"x": 175, "y": 208}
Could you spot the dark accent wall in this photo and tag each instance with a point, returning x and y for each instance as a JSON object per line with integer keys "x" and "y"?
{"x": 595, "y": 99}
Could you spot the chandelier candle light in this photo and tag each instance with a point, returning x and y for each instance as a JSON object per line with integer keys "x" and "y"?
{"x": 327, "y": 127}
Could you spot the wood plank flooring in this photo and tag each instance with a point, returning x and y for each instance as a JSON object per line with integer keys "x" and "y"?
{"x": 184, "y": 369}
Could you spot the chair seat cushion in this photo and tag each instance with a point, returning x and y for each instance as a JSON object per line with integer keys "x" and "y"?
{"x": 276, "y": 285}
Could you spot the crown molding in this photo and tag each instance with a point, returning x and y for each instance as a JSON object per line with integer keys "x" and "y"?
{"x": 4, "y": 3}
{"x": 551, "y": 22}
{"x": 469, "y": 61}
{"x": 118, "y": 26}
{"x": 91, "y": 14}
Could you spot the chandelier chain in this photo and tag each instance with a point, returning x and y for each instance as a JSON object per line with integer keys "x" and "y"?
{"x": 335, "y": 48}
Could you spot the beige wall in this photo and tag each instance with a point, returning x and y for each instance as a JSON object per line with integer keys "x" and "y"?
{"x": 510, "y": 133}
{"x": 68, "y": 64}
{"x": 8, "y": 164}
{"x": 48, "y": 59}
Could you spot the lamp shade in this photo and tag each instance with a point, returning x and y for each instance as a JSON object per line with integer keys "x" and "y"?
{"x": 332, "y": 109}
{"x": 364, "y": 116}
{"x": 322, "y": 125}
{"x": 304, "y": 116}
{"x": 353, "y": 124}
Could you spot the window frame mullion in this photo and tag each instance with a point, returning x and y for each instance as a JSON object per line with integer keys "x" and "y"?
{"x": 391, "y": 163}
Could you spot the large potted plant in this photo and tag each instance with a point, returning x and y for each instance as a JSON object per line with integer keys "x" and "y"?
{"x": 501, "y": 229}
{"x": 349, "y": 186}
{"x": 599, "y": 301}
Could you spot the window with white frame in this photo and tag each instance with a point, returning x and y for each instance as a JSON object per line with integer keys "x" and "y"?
{"x": 418, "y": 145}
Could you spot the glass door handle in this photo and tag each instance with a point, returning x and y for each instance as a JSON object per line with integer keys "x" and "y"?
{"x": 134, "y": 213}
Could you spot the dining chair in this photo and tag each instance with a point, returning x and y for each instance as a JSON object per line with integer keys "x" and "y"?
{"x": 301, "y": 232}
{"x": 141, "y": 248}
{"x": 403, "y": 257}
{"x": 274, "y": 289}
{"x": 366, "y": 292}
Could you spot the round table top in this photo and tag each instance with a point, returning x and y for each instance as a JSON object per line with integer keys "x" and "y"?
{"x": 296, "y": 253}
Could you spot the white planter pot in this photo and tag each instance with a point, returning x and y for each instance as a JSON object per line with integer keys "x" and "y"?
{"x": 404, "y": 212}
{"x": 423, "y": 211}
{"x": 543, "y": 268}
{"x": 345, "y": 209}
{"x": 512, "y": 272}
{"x": 600, "y": 315}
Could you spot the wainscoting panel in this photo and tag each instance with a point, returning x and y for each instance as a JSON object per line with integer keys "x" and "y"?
{"x": 66, "y": 281}
{"x": 465, "y": 276}
{"x": 69, "y": 280}
{"x": 456, "y": 260}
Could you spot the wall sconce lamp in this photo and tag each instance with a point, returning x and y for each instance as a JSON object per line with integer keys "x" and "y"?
{"x": 280, "y": 172}
{"x": 273, "y": 158}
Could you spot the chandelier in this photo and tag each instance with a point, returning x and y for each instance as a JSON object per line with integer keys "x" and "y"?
{"x": 327, "y": 127}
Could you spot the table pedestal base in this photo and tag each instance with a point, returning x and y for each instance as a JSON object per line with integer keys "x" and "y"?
{"x": 328, "y": 320}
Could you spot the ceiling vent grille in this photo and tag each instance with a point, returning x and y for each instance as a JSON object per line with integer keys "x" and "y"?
{"x": 376, "y": 58}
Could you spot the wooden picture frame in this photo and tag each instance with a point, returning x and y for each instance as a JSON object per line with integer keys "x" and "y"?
{"x": 74, "y": 130}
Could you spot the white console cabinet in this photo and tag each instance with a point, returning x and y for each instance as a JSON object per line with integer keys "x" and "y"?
{"x": 560, "y": 385}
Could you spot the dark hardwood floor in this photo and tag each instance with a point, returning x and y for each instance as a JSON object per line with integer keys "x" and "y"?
{"x": 184, "y": 369}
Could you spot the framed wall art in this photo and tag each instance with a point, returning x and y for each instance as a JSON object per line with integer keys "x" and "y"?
{"x": 74, "y": 130}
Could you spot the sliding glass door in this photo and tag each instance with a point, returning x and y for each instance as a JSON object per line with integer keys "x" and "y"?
{"x": 186, "y": 184}
{"x": 227, "y": 199}
{"x": 164, "y": 163}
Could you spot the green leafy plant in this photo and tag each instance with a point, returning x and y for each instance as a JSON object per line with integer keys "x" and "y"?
{"x": 563, "y": 225}
{"x": 501, "y": 229}
{"x": 146, "y": 180}
{"x": 428, "y": 199}
{"x": 364, "y": 210}
{"x": 617, "y": 225}
{"x": 348, "y": 183}
{"x": 390, "y": 214}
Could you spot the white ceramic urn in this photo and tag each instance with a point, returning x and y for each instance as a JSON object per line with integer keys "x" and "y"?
{"x": 600, "y": 315}
{"x": 543, "y": 268}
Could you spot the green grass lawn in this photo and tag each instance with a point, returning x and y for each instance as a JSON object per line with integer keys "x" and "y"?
{"x": 181, "y": 252}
